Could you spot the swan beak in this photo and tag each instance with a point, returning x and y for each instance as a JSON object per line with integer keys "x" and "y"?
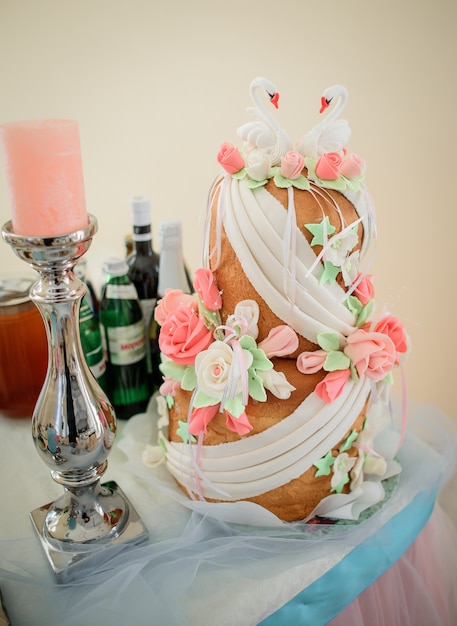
{"x": 324, "y": 104}
{"x": 274, "y": 99}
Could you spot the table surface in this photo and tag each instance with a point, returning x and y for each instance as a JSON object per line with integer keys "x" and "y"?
{"x": 188, "y": 555}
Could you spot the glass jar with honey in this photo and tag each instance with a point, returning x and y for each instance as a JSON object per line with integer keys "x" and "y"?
{"x": 23, "y": 348}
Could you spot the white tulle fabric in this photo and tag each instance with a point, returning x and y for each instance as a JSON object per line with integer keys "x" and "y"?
{"x": 197, "y": 569}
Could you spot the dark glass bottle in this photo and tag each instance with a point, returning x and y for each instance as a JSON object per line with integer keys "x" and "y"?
{"x": 92, "y": 344}
{"x": 143, "y": 265}
{"x": 123, "y": 327}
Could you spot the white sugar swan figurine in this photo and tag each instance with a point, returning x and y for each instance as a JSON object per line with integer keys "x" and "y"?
{"x": 264, "y": 134}
{"x": 331, "y": 134}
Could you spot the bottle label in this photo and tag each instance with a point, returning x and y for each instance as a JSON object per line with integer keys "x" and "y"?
{"x": 85, "y": 315}
{"x": 96, "y": 361}
{"x": 98, "y": 368}
{"x": 142, "y": 236}
{"x": 126, "y": 343}
{"x": 121, "y": 292}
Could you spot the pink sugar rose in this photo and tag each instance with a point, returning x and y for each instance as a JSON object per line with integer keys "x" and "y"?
{"x": 352, "y": 166}
{"x": 169, "y": 386}
{"x": 206, "y": 288}
{"x": 281, "y": 341}
{"x": 173, "y": 299}
{"x": 292, "y": 164}
{"x": 240, "y": 425}
{"x": 365, "y": 289}
{"x": 394, "y": 329}
{"x": 230, "y": 158}
{"x": 332, "y": 385}
{"x": 328, "y": 166}
{"x": 183, "y": 335}
{"x": 311, "y": 362}
{"x": 201, "y": 417}
{"x": 373, "y": 354}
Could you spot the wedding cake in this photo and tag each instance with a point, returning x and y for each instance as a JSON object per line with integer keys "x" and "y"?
{"x": 278, "y": 368}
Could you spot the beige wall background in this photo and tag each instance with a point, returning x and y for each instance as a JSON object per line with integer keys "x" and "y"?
{"x": 156, "y": 86}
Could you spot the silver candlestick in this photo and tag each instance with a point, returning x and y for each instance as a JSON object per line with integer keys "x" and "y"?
{"x": 73, "y": 423}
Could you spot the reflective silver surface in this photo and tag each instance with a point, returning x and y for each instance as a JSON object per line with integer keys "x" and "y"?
{"x": 73, "y": 424}
{"x": 70, "y": 564}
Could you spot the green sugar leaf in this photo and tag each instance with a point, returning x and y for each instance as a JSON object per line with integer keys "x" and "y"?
{"x": 235, "y": 405}
{"x": 170, "y": 369}
{"x": 282, "y": 182}
{"x": 189, "y": 379}
{"x": 256, "y": 388}
{"x": 336, "y": 361}
{"x": 328, "y": 341}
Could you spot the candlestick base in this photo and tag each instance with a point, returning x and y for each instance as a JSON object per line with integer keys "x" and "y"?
{"x": 125, "y": 523}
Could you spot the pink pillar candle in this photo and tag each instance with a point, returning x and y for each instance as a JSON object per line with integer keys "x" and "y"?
{"x": 45, "y": 177}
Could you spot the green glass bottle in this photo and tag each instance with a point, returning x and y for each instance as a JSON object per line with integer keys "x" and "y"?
{"x": 92, "y": 344}
{"x": 123, "y": 327}
{"x": 91, "y": 296}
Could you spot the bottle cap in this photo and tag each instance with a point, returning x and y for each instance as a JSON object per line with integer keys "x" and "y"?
{"x": 170, "y": 232}
{"x": 115, "y": 266}
{"x": 141, "y": 211}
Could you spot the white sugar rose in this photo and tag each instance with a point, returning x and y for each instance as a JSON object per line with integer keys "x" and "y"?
{"x": 276, "y": 383}
{"x": 258, "y": 166}
{"x": 249, "y": 311}
{"x": 341, "y": 467}
{"x": 220, "y": 371}
{"x": 244, "y": 320}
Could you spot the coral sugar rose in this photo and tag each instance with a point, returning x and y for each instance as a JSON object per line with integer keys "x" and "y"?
{"x": 207, "y": 289}
{"x": 373, "y": 354}
{"x": 183, "y": 335}
{"x": 365, "y": 289}
{"x": 328, "y": 166}
{"x": 230, "y": 158}
{"x": 173, "y": 299}
{"x": 394, "y": 329}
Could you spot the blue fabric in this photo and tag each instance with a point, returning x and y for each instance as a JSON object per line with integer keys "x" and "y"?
{"x": 357, "y": 571}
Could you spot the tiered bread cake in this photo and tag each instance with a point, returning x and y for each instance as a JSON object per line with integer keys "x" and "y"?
{"x": 276, "y": 371}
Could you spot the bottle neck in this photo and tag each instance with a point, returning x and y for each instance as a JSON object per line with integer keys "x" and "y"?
{"x": 143, "y": 248}
{"x": 117, "y": 279}
{"x": 142, "y": 240}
